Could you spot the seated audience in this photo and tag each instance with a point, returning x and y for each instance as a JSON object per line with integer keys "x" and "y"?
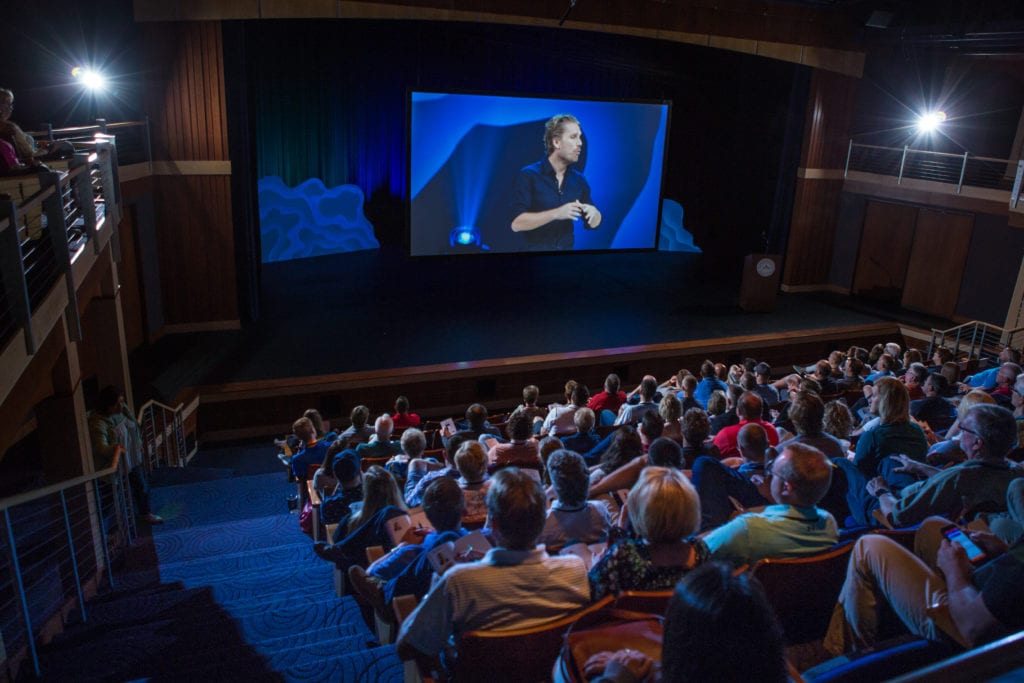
{"x": 716, "y": 482}
{"x": 476, "y": 424}
{"x": 471, "y": 461}
{"x": 313, "y": 450}
{"x": 696, "y": 428}
{"x": 529, "y": 405}
{"x": 585, "y": 437}
{"x": 933, "y": 408}
{"x": 748, "y": 410}
{"x": 348, "y": 492}
{"x": 763, "y": 386}
{"x": 413, "y": 443}
{"x": 632, "y": 414}
{"x": 935, "y": 591}
{"x": 823, "y": 376}
{"x": 663, "y": 509}
{"x": 895, "y": 432}
{"x": 380, "y": 444}
{"x": 719, "y": 627}
{"x": 406, "y": 570}
{"x": 366, "y": 524}
{"x": 728, "y": 418}
{"x": 838, "y": 422}
{"x": 795, "y": 527}
{"x": 624, "y": 446}
{"x": 423, "y": 471}
{"x": 662, "y": 453}
{"x": 977, "y": 485}
{"x": 606, "y": 404}
{"x": 402, "y": 417}
{"x": 359, "y": 432}
{"x": 572, "y": 518}
{"x": 516, "y": 585}
{"x": 913, "y": 380}
{"x": 521, "y": 451}
{"x": 709, "y": 383}
{"x": 853, "y": 371}
{"x": 670, "y": 410}
{"x": 559, "y": 421}
{"x": 948, "y": 452}
{"x": 651, "y": 428}
{"x": 986, "y": 379}
{"x": 807, "y": 413}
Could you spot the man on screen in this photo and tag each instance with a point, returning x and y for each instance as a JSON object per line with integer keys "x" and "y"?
{"x": 550, "y": 195}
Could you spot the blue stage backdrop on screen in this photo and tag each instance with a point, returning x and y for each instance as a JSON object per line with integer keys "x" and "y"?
{"x": 466, "y": 152}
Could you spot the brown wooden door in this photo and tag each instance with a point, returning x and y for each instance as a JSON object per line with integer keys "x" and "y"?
{"x": 884, "y": 250}
{"x": 936, "y": 268}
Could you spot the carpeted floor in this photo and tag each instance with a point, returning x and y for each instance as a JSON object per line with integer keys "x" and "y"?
{"x": 236, "y": 594}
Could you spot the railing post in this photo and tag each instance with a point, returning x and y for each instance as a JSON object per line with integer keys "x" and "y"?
{"x": 82, "y": 192}
{"x": 20, "y": 587}
{"x": 903, "y": 161}
{"x": 74, "y": 558}
{"x": 103, "y": 532}
{"x": 849, "y": 151}
{"x": 963, "y": 170}
{"x": 974, "y": 336}
{"x": 12, "y": 270}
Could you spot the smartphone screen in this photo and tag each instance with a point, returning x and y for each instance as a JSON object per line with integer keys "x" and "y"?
{"x": 955, "y": 534}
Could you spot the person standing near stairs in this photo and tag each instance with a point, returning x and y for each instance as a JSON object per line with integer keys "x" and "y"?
{"x": 111, "y": 425}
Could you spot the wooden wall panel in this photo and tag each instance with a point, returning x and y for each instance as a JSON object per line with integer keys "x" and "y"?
{"x": 812, "y": 232}
{"x": 131, "y": 283}
{"x": 195, "y": 234}
{"x": 885, "y": 246}
{"x": 936, "y": 269}
{"x": 829, "y": 107}
{"x": 196, "y": 248}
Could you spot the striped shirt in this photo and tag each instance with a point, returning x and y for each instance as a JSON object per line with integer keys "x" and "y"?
{"x": 508, "y": 589}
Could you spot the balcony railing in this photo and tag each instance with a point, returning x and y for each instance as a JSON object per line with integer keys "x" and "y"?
{"x": 56, "y": 547}
{"x": 941, "y": 167}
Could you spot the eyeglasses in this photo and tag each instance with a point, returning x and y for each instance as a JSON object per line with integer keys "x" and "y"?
{"x": 970, "y": 431}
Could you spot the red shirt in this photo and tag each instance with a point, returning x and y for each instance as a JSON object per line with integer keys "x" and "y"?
{"x": 404, "y": 420}
{"x": 726, "y": 439}
{"x": 605, "y": 401}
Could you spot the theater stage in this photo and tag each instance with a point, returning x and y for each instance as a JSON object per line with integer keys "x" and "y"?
{"x": 361, "y": 328}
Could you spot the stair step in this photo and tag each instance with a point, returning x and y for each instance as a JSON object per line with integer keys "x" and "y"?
{"x": 228, "y": 538}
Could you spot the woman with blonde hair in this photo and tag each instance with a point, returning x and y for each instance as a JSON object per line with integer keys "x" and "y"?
{"x": 670, "y": 409}
{"x": 663, "y": 509}
{"x": 895, "y": 434}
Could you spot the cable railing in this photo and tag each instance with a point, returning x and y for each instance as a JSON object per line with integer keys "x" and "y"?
{"x": 163, "y": 435}
{"x": 133, "y": 141}
{"x": 975, "y": 340}
{"x": 941, "y": 167}
{"x": 57, "y": 546}
{"x": 45, "y": 222}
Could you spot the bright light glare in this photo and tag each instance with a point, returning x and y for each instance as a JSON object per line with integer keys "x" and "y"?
{"x": 930, "y": 121}
{"x": 93, "y": 80}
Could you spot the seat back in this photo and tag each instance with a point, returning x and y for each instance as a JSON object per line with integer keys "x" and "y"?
{"x": 650, "y": 602}
{"x": 515, "y": 655}
{"x": 804, "y": 590}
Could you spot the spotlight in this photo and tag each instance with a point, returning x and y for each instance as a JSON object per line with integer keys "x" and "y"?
{"x": 466, "y": 237}
{"x": 92, "y": 80}
{"x": 930, "y": 121}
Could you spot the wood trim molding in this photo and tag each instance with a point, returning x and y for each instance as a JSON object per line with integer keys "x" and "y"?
{"x": 191, "y": 168}
{"x": 819, "y": 173}
{"x": 846, "y": 62}
{"x": 929, "y": 192}
{"x": 835, "y": 289}
{"x": 207, "y": 326}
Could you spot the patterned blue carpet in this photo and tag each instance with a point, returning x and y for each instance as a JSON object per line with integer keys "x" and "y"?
{"x": 237, "y": 594}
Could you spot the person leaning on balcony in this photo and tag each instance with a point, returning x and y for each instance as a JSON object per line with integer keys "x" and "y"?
{"x": 112, "y": 425}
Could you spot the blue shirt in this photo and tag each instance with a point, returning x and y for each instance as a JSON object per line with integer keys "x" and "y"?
{"x": 310, "y": 455}
{"x": 536, "y": 190}
{"x": 407, "y": 570}
{"x": 986, "y": 379}
{"x": 706, "y": 387}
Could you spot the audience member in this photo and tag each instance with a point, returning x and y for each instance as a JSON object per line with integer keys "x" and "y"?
{"x": 606, "y": 404}
{"x": 313, "y": 450}
{"x": 670, "y": 410}
{"x": 572, "y": 518}
{"x": 402, "y": 417}
{"x": 663, "y": 509}
{"x": 709, "y": 382}
{"x": 516, "y": 585}
{"x": 799, "y": 478}
{"x": 895, "y": 433}
{"x": 380, "y": 444}
{"x": 366, "y": 524}
{"x": 933, "y": 408}
{"x": 529, "y": 405}
{"x": 914, "y": 379}
{"x": 359, "y": 432}
{"x": 763, "y": 378}
{"x": 625, "y": 445}
{"x": 838, "y": 422}
{"x": 559, "y": 421}
{"x": 406, "y": 570}
{"x": 986, "y": 379}
{"x": 663, "y": 452}
{"x": 632, "y": 414}
{"x": 585, "y": 437}
{"x": 729, "y": 417}
{"x": 748, "y": 410}
{"x": 348, "y": 492}
{"x": 521, "y": 451}
{"x": 808, "y": 413}
{"x": 471, "y": 462}
{"x": 719, "y": 627}
{"x": 696, "y": 428}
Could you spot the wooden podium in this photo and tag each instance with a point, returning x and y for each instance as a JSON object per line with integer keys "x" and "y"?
{"x": 760, "y": 282}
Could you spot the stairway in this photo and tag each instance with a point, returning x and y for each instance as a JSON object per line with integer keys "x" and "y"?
{"x": 236, "y": 593}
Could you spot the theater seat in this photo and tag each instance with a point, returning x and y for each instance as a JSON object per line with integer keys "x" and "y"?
{"x": 804, "y": 590}
{"x": 649, "y": 602}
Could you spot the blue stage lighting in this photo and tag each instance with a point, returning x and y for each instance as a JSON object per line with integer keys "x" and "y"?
{"x": 466, "y": 237}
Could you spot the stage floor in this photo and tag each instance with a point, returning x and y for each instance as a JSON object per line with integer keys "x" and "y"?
{"x": 370, "y": 311}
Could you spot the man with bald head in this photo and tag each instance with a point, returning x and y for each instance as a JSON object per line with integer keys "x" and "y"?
{"x": 716, "y": 483}
{"x": 794, "y": 527}
{"x": 380, "y": 444}
{"x": 748, "y": 409}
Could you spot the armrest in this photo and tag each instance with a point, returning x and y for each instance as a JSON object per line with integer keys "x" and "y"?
{"x": 374, "y": 553}
{"x": 314, "y": 495}
{"x": 403, "y": 606}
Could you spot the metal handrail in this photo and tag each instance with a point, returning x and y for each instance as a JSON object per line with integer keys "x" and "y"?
{"x": 91, "y": 544}
{"x": 168, "y": 439}
{"x": 940, "y": 169}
